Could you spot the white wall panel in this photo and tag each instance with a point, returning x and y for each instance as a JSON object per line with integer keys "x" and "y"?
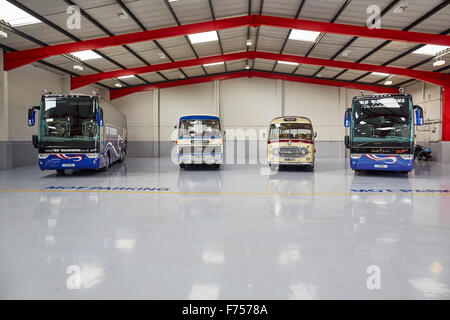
{"x": 248, "y": 103}
{"x": 428, "y": 96}
{"x": 25, "y": 87}
{"x": 318, "y": 103}
{"x": 138, "y": 108}
{"x": 178, "y": 101}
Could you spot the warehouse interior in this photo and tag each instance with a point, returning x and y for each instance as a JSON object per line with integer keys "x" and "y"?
{"x": 148, "y": 229}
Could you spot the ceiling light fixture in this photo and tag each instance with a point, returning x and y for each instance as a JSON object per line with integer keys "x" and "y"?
{"x": 439, "y": 63}
{"x": 118, "y": 84}
{"x": 213, "y": 64}
{"x": 401, "y": 7}
{"x": 14, "y": 16}
{"x": 247, "y": 67}
{"x": 126, "y": 77}
{"x": 249, "y": 42}
{"x": 380, "y": 74}
{"x": 78, "y": 67}
{"x": 123, "y": 15}
{"x": 86, "y": 55}
{"x": 431, "y": 49}
{"x": 440, "y": 58}
{"x": 203, "y": 37}
{"x": 288, "y": 63}
{"x": 346, "y": 53}
{"x": 303, "y": 35}
{"x": 388, "y": 81}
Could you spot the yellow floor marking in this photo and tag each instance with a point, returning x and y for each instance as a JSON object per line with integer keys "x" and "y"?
{"x": 235, "y": 193}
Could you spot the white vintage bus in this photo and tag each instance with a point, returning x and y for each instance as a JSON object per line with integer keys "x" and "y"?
{"x": 200, "y": 140}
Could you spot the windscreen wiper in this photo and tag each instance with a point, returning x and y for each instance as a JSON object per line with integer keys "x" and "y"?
{"x": 362, "y": 144}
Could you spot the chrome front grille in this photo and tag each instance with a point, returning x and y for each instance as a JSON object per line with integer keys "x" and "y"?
{"x": 293, "y": 152}
{"x": 200, "y": 150}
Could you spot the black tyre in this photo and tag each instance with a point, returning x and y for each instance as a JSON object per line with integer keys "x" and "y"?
{"x": 182, "y": 165}
{"x": 122, "y": 156}
{"x": 107, "y": 162}
{"x": 61, "y": 172}
{"x": 274, "y": 167}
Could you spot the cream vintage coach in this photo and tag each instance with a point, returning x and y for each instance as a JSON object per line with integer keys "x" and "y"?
{"x": 291, "y": 142}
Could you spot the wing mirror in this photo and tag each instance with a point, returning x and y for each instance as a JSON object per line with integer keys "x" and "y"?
{"x": 100, "y": 117}
{"x": 32, "y": 115}
{"x": 419, "y": 115}
{"x": 315, "y": 134}
{"x": 348, "y": 118}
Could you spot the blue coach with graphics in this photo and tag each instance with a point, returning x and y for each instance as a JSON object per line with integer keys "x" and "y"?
{"x": 382, "y": 132}
{"x": 72, "y": 133}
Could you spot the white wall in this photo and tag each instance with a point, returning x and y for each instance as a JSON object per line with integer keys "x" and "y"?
{"x": 138, "y": 109}
{"x": 243, "y": 103}
{"x": 321, "y": 104}
{"x": 429, "y": 97}
{"x": 178, "y": 101}
{"x": 25, "y": 87}
{"x": 248, "y": 103}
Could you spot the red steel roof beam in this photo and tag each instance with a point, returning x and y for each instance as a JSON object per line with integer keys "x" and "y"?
{"x": 352, "y": 30}
{"x": 80, "y": 81}
{"x": 21, "y": 58}
{"x": 118, "y": 93}
{"x": 440, "y": 79}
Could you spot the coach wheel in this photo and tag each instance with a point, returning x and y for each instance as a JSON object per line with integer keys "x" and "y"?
{"x": 274, "y": 167}
{"x": 122, "y": 156}
{"x": 61, "y": 172}
{"x": 107, "y": 162}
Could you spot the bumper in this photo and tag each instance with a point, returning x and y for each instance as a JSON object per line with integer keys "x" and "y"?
{"x": 54, "y": 163}
{"x": 293, "y": 161}
{"x": 200, "y": 158}
{"x": 382, "y": 163}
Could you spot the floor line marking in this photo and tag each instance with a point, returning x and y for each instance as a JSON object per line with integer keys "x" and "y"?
{"x": 233, "y": 193}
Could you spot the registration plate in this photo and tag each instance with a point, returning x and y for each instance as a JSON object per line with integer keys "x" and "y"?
{"x": 68, "y": 165}
{"x": 381, "y": 166}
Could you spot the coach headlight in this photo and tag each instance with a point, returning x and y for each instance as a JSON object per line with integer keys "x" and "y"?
{"x": 355, "y": 156}
{"x": 43, "y": 155}
{"x": 275, "y": 151}
{"x": 93, "y": 155}
{"x": 406, "y": 156}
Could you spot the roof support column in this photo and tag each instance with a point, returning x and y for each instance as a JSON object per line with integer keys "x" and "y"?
{"x": 217, "y": 97}
{"x": 5, "y": 145}
{"x": 279, "y": 98}
{"x": 446, "y": 114}
{"x": 156, "y": 124}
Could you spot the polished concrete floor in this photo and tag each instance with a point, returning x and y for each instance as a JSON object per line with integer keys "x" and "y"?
{"x": 148, "y": 230}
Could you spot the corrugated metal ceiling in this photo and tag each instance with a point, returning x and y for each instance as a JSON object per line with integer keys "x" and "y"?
{"x": 155, "y": 14}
